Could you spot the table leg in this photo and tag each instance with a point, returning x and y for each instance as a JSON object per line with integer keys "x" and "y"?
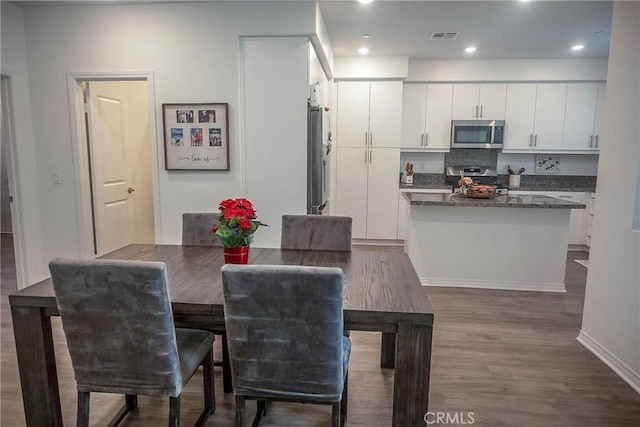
{"x": 411, "y": 383}
{"x": 37, "y": 366}
{"x": 388, "y": 350}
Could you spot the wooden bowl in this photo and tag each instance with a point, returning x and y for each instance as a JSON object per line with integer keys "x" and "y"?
{"x": 481, "y": 191}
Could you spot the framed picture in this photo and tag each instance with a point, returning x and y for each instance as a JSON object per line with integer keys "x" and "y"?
{"x": 546, "y": 163}
{"x": 196, "y": 136}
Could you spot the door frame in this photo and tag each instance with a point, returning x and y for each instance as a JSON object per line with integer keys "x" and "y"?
{"x": 14, "y": 183}
{"x": 81, "y": 154}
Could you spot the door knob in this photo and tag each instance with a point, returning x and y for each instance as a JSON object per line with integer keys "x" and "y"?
{"x": 130, "y": 190}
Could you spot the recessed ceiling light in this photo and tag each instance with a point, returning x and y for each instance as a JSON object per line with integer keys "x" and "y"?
{"x": 366, "y": 36}
{"x": 365, "y": 1}
{"x": 470, "y": 49}
{"x": 577, "y": 47}
{"x": 363, "y": 51}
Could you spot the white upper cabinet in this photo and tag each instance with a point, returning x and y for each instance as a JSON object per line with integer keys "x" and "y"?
{"x": 520, "y": 116}
{"x": 370, "y": 114}
{"x": 599, "y": 113}
{"x": 479, "y": 101}
{"x": 414, "y": 113}
{"x": 438, "y": 121}
{"x": 385, "y": 114}
{"x": 549, "y": 119}
{"x": 353, "y": 119}
{"x": 426, "y": 117}
{"x": 534, "y": 117}
{"x": 579, "y": 118}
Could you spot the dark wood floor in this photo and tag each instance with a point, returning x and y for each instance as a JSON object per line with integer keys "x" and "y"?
{"x": 511, "y": 358}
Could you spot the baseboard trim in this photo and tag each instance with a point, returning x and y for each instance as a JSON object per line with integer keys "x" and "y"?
{"x": 377, "y": 242}
{"x": 618, "y": 366}
{"x": 494, "y": 284}
{"x": 578, "y": 248}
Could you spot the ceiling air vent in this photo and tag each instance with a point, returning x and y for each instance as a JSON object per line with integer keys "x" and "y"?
{"x": 442, "y": 35}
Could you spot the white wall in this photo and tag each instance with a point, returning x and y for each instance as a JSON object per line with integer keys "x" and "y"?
{"x": 508, "y": 70}
{"x": 275, "y": 150}
{"x": 193, "y": 51}
{"x": 611, "y": 317}
{"x": 371, "y": 67}
{"x": 14, "y": 65}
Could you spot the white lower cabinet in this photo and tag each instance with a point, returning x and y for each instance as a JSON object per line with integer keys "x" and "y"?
{"x": 576, "y": 224}
{"x": 367, "y": 179}
{"x": 403, "y": 208}
{"x": 577, "y": 234}
{"x": 591, "y": 202}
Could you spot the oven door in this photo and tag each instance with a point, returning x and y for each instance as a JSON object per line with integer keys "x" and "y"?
{"x": 472, "y": 134}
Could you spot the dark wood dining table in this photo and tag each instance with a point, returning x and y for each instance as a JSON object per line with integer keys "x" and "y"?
{"x": 382, "y": 293}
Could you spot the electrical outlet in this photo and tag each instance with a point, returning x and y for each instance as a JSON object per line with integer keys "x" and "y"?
{"x": 55, "y": 177}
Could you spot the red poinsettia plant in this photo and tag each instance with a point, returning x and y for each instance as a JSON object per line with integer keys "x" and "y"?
{"x": 236, "y": 223}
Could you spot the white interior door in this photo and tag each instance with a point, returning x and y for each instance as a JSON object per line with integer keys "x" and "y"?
{"x": 120, "y": 164}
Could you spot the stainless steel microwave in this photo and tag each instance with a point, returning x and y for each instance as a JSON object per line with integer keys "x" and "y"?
{"x": 477, "y": 133}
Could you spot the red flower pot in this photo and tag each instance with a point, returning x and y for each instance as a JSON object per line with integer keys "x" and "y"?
{"x": 239, "y": 255}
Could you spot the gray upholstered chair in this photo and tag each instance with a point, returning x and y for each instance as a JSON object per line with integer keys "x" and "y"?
{"x": 196, "y": 231}
{"x": 284, "y": 326}
{"x": 316, "y": 232}
{"x": 118, "y": 322}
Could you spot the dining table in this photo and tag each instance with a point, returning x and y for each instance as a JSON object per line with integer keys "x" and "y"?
{"x": 382, "y": 293}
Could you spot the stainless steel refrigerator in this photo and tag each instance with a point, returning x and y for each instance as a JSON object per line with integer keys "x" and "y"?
{"x": 318, "y": 148}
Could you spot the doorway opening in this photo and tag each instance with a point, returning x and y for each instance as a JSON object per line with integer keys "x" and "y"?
{"x": 115, "y": 161}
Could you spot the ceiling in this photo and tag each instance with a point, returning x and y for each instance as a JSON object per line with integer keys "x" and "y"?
{"x": 508, "y": 29}
{"x": 499, "y": 29}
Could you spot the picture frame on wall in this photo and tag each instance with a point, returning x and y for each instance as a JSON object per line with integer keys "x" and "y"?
{"x": 196, "y": 136}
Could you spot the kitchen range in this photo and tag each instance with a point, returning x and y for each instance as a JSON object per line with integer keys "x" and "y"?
{"x": 479, "y": 174}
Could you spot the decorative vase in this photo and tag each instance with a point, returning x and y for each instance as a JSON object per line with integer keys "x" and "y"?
{"x": 239, "y": 255}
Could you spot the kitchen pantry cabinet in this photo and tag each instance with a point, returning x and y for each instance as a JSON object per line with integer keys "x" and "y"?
{"x": 367, "y": 185}
{"x": 368, "y": 140}
{"x": 583, "y": 115}
{"x": 535, "y": 117}
{"x": 426, "y": 117}
{"x": 369, "y": 114}
{"x": 479, "y": 101}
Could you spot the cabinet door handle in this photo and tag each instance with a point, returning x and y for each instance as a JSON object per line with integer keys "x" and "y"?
{"x": 535, "y": 140}
{"x": 476, "y": 113}
{"x": 481, "y": 111}
{"x": 366, "y": 139}
{"x": 426, "y": 140}
{"x": 597, "y": 141}
{"x": 591, "y": 141}
{"x": 422, "y": 140}
{"x": 370, "y": 156}
{"x": 531, "y": 140}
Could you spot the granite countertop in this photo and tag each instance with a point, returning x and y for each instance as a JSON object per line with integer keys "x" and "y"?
{"x": 501, "y": 201}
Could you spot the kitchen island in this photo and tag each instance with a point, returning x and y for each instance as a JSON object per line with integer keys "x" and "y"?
{"x": 510, "y": 243}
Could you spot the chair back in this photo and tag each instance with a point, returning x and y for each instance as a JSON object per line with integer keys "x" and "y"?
{"x": 316, "y": 232}
{"x": 196, "y": 229}
{"x": 118, "y": 322}
{"x": 284, "y": 330}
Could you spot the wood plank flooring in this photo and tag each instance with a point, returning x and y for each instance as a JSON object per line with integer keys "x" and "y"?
{"x": 511, "y": 358}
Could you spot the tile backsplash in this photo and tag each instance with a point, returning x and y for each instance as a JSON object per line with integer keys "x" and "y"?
{"x": 570, "y": 164}
{"x": 471, "y": 157}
